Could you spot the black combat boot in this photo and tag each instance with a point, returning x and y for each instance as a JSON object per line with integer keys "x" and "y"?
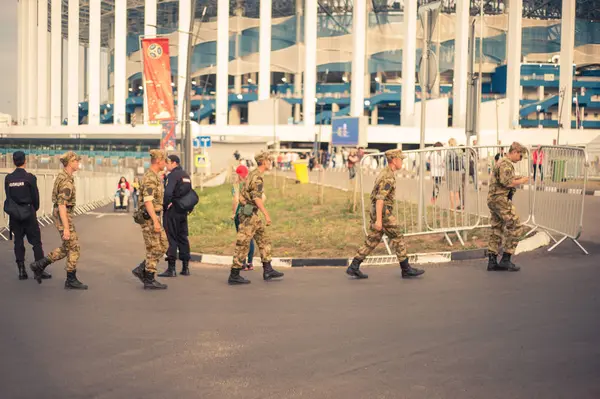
{"x": 408, "y": 271}
{"x": 139, "y": 271}
{"x": 235, "y": 278}
{"x": 72, "y": 283}
{"x": 150, "y": 282}
{"x": 38, "y": 267}
{"x": 493, "y": 262}
{"x": 354, "y": 269}
{"x": 185, "y": 268}
{"x": 22, "y": 273}
{"x": 506, "y": 264}
{"x": 170, "y": 272}
{"x": 269, "y": 272}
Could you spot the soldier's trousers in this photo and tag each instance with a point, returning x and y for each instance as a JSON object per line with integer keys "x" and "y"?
{"x": 391, "y": 230}
{"x": 251, "y": 227}
{"x": 156, "y": 245}
{"x": 504, "y": 223}
{"x": 70, "y": 248}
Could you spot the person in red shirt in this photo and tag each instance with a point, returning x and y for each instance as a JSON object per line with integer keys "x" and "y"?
{"x": 124, "y": 180}
{"x": 538, "y": 160}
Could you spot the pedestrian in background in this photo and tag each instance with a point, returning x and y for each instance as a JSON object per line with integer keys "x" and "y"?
{"x": 148, "y": 216}
{"x": 178, "y": 186}
{"x": 504, "y": 221}
{"x": 538, "y": 160}
{"x": 238, "y": 205}
{"x": 136, "y": 192}
{"x": 21, "y": 204}
{"x": 64, "y": 199}
{"x": 436, "y": 162}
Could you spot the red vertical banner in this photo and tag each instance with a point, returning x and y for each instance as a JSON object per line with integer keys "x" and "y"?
{"x": 157, "y": 87}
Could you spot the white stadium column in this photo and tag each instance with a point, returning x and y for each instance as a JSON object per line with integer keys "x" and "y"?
{"x": 73, "y": 64}
{"x": 359, "y": 36}
{"x": 82, "y": 82}
{"x": 264, "y": 69}
{"x": 42, "y": 39}
{"x": 32, "y": 81}
{"x": 150, "y": 18}
{"x": 299, "y": 66}
{"x": 103, "y": 76}
{"x": 20, "y": 73}
{"x": 184, "y": 27}
{"x": 513, "y": 61}
{"x": 310, "y": 61}
{"x": 56, "y": 64}
{"x": 222, "y": 88}
{"x": 119, "y": 69}
{"x": 94, "y": 65}
{"x": 409, "y": 58}
{"x": 567, "y": 43}
{"x": 461, "y": 58}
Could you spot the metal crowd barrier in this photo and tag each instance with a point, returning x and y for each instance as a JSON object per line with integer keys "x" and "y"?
{"x": 93, "y": 191}
{"x": 559, "y": 193}
{"x": 456, "y": 185}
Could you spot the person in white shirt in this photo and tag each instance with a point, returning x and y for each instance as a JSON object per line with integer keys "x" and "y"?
{"x": 437, "y": 170}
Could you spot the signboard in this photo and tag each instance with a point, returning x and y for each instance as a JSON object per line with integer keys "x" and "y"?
{"x": 168, "y": 141}
{"x": 157, "y": 79}
{"x": 348, "y": 131}
{"x": 202, "y": 141}
{"x": 200, "y": 161}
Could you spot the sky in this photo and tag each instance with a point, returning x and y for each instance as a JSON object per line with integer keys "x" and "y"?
{"x": 8, "y": 57}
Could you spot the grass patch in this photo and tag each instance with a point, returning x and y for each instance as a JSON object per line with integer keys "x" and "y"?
{"x": 301, "y": 227}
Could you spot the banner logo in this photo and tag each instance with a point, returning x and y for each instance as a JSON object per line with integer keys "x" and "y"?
{"x": 155, "y": 51}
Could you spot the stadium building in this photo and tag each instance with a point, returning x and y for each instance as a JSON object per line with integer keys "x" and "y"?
{"x": 286, "y": 68}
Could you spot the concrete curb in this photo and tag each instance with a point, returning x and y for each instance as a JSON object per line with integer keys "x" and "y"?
{"x": 529, "y": 244}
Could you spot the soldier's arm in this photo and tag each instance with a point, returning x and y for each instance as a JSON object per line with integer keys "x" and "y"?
{"x": 64, "y": 195}
{"x": 148, "y": 196}
{"x": 256, "y": 194}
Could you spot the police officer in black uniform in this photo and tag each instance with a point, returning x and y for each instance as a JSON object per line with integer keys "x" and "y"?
{"x": 178, "y": 184}
{"x": 21, "y": 187}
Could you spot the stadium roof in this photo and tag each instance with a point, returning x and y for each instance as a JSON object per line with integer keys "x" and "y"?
{"x": 542, "y": 9}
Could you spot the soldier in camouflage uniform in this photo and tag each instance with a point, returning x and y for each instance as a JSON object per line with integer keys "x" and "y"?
{"x": 63, "y": 198}
{"x": 251, "y": 225}
{"x": 151, "y": 207}
{"x": 383, "y": 220}
{"x": 503, "y": 217}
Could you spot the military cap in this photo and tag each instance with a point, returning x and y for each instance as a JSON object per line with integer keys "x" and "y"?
{"x": 262, "y": 156}
{"x": 157, "y": 155}
{"x": 68, "y": 157}
{"x": 396, "y": 153}
{"x": 517, "y": 147}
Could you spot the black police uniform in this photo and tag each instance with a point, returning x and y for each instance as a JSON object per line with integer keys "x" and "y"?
{"x": 21, "y": 186}
{"x": 178, "y": 184}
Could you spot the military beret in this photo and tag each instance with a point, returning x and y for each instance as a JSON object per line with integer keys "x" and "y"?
{"x": 68, "y": 157}
{"x": 517, "y": 147}
{"x": 158, "y": 155}
{"x": 397, "y": 153}
{"x": 262, "y": 156}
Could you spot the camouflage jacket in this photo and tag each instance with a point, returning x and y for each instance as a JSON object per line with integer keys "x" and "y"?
{"x": 385, "y": 188}
{"x": 152, "y": 189}
{"x": 503, "y": 174}
{"x": 253, "y": 187}
{"x": 63, "y": 192}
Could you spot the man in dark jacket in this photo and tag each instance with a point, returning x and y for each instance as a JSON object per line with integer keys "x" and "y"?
{"x": 21, "y": 187}
{"x": 178, "y": 184}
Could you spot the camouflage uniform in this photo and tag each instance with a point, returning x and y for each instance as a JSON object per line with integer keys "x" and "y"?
{"x": 64, "y": 193}
{"x": 384, "y": 190}
{"x": 503, "y": 217}
{"x": 152, "y": 189}
{"x": 252, "y": 227}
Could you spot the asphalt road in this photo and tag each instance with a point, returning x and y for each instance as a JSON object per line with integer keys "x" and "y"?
{"x": 460, "y": 332}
